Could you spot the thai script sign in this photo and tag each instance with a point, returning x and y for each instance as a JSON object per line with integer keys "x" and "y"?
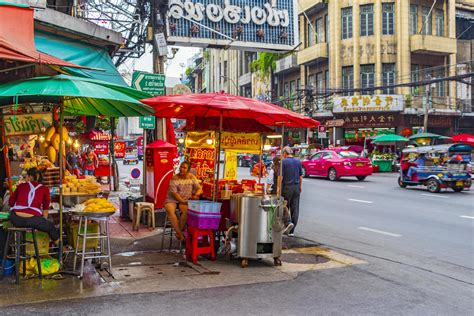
{"x": 247, "y": 24}
{"x": 230, "y": 168}
{"x": 202, "y": 161}
{"x": 368, "y": 103}
{"x": 240, "y": 141}
{"x": 26, "y": 124}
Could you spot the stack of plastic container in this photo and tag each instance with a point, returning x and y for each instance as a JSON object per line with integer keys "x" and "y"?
{"x": 204, "y": 214}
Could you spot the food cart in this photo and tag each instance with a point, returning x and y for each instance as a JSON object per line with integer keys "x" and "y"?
{"x": 253, "y": 224}
{"x": 72, "y": 96}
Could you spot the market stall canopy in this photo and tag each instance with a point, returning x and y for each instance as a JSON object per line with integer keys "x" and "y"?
{"x": 235, "y": 125}
{"x": 425, "y": 135}
{"x": 79, "y": 53}
{"x": 464, "y": 138}
{"x": 80, "y": 96}
{"x": 17, "y": 37}
{"x": 389, "y": 138}
{"x": 227, "y": 106}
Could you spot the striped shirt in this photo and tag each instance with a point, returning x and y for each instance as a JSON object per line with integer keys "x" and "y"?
{"x": 184, "y": 187}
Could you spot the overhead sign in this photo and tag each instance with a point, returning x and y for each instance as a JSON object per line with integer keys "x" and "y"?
{"x": 322, "y": 131}
{"x": 368, "y": 103}
{"x": 26, "y": 124}
{"x": 153, "y": 84}
{"x": 250, "y": 25}
{"x": 335, "y": 123}
{"x": 244, "y": 142}
{"x": 147, "y": 122}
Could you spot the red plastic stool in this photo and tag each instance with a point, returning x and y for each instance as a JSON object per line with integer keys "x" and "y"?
{"x": 193, "y": 249}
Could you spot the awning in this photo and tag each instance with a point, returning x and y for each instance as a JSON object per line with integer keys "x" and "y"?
{"x": 82, "y": 54}
{"x": 17, "y": 37}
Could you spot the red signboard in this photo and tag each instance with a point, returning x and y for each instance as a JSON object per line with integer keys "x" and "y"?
{"x": 119, "y": 149}
{"x": 202, "y": 161}
{"x": 101, "y": 148}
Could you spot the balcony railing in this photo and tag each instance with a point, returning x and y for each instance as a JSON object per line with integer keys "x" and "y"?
{"x": 429, "y": 44}
{"x": 286, "y": 64}
{"x": 313, "y": 53}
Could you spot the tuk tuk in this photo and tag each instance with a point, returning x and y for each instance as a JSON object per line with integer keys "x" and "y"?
{"x": 437, "y": 167}
{"x": 131, "y": 155}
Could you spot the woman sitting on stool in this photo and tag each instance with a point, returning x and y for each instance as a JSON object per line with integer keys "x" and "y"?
{"x": 183, "y": 187}
{"x": 30, "y": 204}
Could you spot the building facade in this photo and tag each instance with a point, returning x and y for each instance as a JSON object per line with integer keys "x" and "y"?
{"x": 352, "y": 45}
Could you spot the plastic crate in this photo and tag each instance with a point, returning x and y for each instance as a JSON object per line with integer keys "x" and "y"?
{"x": 203, "y": 220}
{"x": 202, "y": 206}
{"x": 43, "y": 243}
{"x": 92, "y": 228}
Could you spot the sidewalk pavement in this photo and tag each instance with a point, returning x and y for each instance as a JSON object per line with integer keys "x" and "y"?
{"x": 139, "y": 266}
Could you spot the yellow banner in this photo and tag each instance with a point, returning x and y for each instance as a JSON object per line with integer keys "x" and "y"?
{"x": 230, "y": 171}
{"x": 26, "y": 124}
{"x": 243, "y": 142}
{"x": 200, "y": 140}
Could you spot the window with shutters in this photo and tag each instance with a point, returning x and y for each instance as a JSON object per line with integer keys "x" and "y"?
{"x": 326, "y": 28}
{"x": 310, "y": 39}
{"x": 388, "y": 18}
{"x": 388, "y": 71}
{"x": 346, "y": 23}
{"x": 319, "y": 30}
{"x": 427, "y": 22}
{"x": 347, "y": 79}
{"x": 413, "y": 19}
{"x": 319, "y": 82}
{"x": 415, "y": 77}
{"x": 367, "y": 20}
{"x": 439, "y": 23}
{"x": 367, "y": 78}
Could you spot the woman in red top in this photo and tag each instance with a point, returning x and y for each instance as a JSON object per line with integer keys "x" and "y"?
{"x": 30, "y": 204}
{"x": 90, "y": 162}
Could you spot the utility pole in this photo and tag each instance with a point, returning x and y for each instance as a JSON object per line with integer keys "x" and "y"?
{"x": 427, "y": 105}
{"x": 158, "y": 26}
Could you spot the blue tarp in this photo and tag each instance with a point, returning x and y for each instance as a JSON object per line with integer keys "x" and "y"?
{"x": 81, "y": 54}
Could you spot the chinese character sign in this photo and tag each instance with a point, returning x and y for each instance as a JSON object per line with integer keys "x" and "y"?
{"x": 368, "y": 103}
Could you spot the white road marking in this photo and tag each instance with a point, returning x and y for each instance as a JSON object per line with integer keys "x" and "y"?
{"x": 468, "y": 217}
{"x": 361, "y": 201}
{"x": 435, "y": 195}
{"x": 379, "y": 231}
{"x": 356, "y": 186}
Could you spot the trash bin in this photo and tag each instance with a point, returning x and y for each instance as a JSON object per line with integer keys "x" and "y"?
{"x": 131, "y": 204}
{"x": 124, "y": 206}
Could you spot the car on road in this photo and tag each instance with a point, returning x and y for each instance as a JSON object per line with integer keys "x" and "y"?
{"x": 244, "y": 160}
{"x": 335, "y": 164}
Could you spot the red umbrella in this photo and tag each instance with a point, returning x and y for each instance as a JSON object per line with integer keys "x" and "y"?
{"x": 228, "y": 107}
{"x": 464, "y": 138}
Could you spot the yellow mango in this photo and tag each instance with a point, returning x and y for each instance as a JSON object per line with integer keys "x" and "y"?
{"x": 49, "y": 133}
{"x": 55, "y": 141}
{"x": 51, "y": 153}
{"x": 43, "y": 147}
{"x": 65, "y": 134}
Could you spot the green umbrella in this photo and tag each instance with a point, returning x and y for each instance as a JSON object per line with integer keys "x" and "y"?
{"x": 425, "y": 135}
{"x": 389, "y": 138}
{"x": 80, "y": 96}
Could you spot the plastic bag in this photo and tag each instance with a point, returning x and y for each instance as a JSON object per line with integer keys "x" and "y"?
{"x": 48, "y": 266}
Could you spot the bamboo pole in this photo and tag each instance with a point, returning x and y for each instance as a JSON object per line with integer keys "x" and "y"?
{"x": 61, "y": 175}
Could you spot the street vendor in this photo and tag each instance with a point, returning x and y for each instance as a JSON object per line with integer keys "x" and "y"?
{"x": 30, "y": 204}
{"x": 90, "y": 162}
{"x": 184, "y": 186}
{"x": 72, "y": 161}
